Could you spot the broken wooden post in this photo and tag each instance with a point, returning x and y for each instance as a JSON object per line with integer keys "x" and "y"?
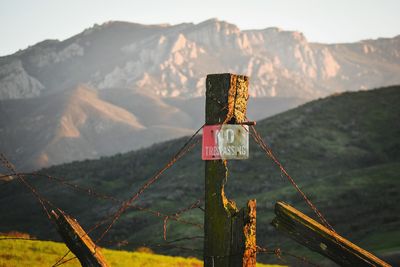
{"x": 229, "y": 234}
{"x": 316, "y": 237}
{"x": 78, "y": 241}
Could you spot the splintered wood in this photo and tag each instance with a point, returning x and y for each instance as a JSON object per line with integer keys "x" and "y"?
{"x": 78, "y": 241}
{"x": 316, "y": 237}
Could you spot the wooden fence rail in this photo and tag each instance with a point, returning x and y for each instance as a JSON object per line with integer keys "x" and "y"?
{"x": 316, "y": 237}
{"x": 78, "y": 241}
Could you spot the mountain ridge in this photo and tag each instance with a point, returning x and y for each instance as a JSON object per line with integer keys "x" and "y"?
{"x": 156, "y": 74}
{"x": 174, "y": 59}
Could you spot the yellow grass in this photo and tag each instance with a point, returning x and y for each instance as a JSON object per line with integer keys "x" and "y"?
{"x": 45, "y": 253}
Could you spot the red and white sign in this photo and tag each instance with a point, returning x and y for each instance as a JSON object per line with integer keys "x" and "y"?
{"x": 226, "y": 141}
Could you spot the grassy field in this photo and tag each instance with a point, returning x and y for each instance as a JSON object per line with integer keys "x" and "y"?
{"x": 46, "y": 253}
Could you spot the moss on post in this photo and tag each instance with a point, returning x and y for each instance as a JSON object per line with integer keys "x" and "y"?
{"x": 227, "y": 242}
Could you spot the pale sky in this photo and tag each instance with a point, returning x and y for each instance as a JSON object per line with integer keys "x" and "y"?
{"x": 26, "y": 22}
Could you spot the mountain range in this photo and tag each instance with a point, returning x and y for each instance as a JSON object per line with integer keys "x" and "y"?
{"x": 121, "y": 86}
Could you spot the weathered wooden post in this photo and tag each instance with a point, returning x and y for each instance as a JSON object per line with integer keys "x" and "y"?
{"x": 78, "y": 241}
{"x": 229, "y": 234}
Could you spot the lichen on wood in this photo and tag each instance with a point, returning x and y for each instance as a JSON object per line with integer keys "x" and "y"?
{"x": 228, "y": 239}
{"x": 249, "y": 231}
{"x": 238, "y": 95}
{"x": 78, "y": 241}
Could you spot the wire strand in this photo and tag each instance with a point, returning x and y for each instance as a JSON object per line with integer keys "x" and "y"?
{"x": 181, "y": 152}
{"x": 259, "y": 140}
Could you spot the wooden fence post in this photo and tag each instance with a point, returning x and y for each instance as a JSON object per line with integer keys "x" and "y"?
{"x": 229, "y": 234}
{"x": 78, "y": 241}
{"x": 318, "y": 238}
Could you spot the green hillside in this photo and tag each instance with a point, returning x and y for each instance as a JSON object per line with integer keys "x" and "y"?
{"x": 344, "y": 152}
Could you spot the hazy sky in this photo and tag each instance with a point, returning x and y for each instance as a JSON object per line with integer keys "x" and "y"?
{"x": 26, "y": 22}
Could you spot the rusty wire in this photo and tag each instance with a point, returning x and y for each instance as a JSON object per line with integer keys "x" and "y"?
{"x": 93, "y": 193}
{"x": 62, "y": 258}
{"x": 177, "y": 214}
{"x": 8, "y": 165}
{"x": 259, "y": 140}
{"x": 192, "y": 206}
{"x": 185, "y": 148}
{"x": 65, "y": 261}
{"x": 279, "y": 253}
{"x": 181, "y": 152}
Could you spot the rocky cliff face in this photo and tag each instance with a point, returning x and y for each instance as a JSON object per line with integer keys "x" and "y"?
{"x": 172, "y": 61}
{"x": 15, "y": 82}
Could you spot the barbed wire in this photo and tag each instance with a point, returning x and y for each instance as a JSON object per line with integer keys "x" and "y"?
{"x": 8, "y": 165}
{"x": 279, "y": 253}
{"x": 176, "y": 215}
{"x": 93, "y": 193}
{"x": 124, "y": 205}
{"x": 181, "y": 152}
{"x": 65, "y": 261}
{"x": 60, "y": 260}
{"x": 259, "y": 140}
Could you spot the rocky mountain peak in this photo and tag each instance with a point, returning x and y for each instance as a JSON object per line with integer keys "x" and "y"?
{"x": 173, "y": 60}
